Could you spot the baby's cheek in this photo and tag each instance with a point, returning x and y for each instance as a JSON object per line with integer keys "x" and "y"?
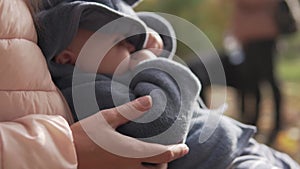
{"x": 89, "y": 66}
{"x": 122, "y": 67}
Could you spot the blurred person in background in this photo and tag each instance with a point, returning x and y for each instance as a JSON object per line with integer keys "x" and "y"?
{"x": 254, "y": 27}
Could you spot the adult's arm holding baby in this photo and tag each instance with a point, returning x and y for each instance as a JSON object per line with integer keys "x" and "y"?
{"x": 90, "y": 155}
{"x": 43, "y": 141}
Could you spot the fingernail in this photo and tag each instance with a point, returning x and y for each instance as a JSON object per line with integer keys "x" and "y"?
{"x": 145, "y": 101}
{"x": 184, "y": 149}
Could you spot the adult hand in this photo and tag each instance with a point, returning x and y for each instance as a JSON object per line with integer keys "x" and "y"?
{"x": 90, "y": 155}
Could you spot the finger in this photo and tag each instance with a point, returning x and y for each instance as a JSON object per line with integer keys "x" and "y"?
{"x": 154, "y": 43}
{"x": 154, "y": 40}
{"x": 173, "y": 152}
{"x": 154, "y": 47}
{"x": 124, "y": 146}
{"x": 126, "y": 112}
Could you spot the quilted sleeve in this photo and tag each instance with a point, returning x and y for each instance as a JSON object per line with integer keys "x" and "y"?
{"x": 34, "y": 118}
{"x": 37, "y": 141}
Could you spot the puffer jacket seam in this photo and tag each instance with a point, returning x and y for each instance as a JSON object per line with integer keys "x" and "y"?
{"x": 28, "y": 90}
{"x": 1, "y": 145}
{"x": 28, "y": 40}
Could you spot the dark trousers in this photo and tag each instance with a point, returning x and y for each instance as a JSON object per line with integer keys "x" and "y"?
{"x": 259, "y": 67}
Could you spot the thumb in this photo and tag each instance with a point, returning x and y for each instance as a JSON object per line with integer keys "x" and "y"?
{"x": 127, "y": 112}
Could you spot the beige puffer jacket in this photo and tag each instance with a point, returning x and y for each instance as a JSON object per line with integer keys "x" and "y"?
{"x": 34, "y": 119}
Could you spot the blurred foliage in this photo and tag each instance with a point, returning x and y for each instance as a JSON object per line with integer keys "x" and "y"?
{"x": 210, "y": 16}
{"x": 289, "y": 70}
{"x": 289, "y": 58}
{"x": 289, "y": 46}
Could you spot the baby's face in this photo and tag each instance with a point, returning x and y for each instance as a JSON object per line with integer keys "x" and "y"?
{"x": 118, "y": 57}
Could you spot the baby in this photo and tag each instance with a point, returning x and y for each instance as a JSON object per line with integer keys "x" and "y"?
{"x": 126, "y": 64}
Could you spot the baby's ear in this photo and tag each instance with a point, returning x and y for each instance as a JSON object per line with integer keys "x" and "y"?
{"x": 65, "y": 57}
